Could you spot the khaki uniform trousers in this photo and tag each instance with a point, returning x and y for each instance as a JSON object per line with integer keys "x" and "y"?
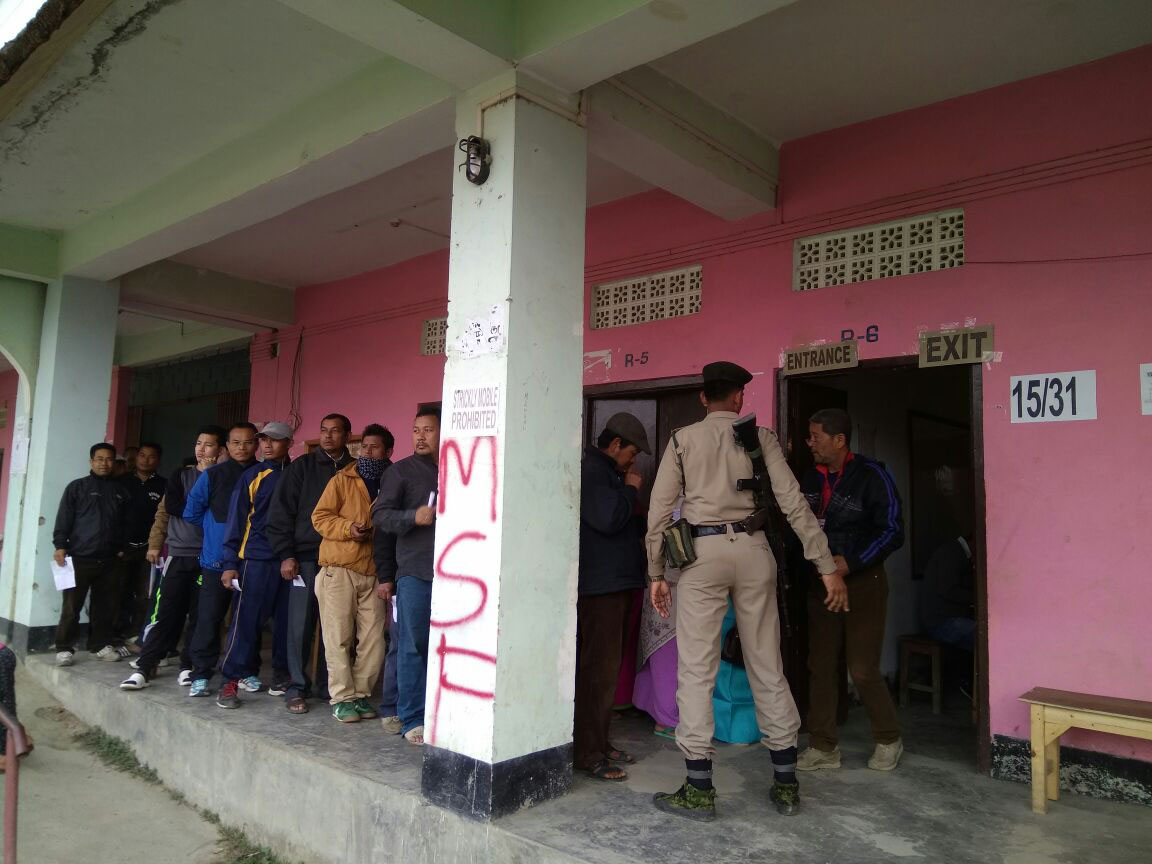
{"x": 742, "y": 565}
{"x": 351, "y": 614}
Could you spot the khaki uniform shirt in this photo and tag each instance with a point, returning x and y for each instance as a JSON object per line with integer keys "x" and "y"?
{"x": 713, "y": 461}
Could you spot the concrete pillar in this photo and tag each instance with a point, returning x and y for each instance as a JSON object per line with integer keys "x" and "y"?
{"x": 501, "y": 657}
{"x": 69, "y": 414}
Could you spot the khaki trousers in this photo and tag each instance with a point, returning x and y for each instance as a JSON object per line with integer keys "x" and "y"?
{"x": 861, "y": 632}
{"x": 351, "y": 614}
{"x": 742, "y": 565}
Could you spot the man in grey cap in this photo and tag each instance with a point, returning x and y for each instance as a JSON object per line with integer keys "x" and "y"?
{"x": 703, "y": 463}
{"x": 251, "y": 569}
{"x": 611, "y": 569}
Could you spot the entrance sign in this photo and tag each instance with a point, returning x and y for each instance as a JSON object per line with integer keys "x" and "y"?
{"x": 956, "y": 347}
{"x": 1053, "y": 397}
{"x": 821, "y": 358}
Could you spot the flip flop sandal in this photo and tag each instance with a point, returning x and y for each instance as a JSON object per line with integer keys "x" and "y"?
{"x": 616, "y": 755}
{"x": 668, "y": 732}
{"x": 603, "y": 768}
{"x": 415, "y": 735}
{"x": 297, "y": 705}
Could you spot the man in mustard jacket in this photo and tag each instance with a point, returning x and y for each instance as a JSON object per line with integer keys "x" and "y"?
{"x": 351, "y": 612}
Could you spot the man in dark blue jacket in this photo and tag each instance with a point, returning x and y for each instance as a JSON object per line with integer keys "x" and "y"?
{"x": 207, "y": 508}
{"x": 251, "y": 570}
{"x": 612, "y": 566}
{"x": 859, "y": 509}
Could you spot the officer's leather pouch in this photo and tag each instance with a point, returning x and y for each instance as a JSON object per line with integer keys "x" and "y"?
{"x": 679, "y": 550}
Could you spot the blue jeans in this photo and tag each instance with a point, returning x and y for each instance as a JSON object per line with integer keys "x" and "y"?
{"x": 415, "y": 612}
{"x": 389, "y": 690}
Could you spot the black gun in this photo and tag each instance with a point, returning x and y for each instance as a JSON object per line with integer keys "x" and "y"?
{"x": 767, "y": 516}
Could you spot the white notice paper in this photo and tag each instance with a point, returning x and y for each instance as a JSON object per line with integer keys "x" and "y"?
{"x": 298, "y": 582}
{"x": 1146, "y": 388}
{"x": 65, "y": 577}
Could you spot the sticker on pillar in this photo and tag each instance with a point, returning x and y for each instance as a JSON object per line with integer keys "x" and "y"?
{"x": 1146, "y": 388}
{"x": 1053, "y": 397}
{"x": 482, "y": 336}
{"x": 475, "y": 410}
{"x": 20, "y": 442}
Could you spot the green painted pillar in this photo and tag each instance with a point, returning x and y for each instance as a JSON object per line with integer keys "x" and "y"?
{"x": 69, "y": 413}
{"x": 501, "y": 654}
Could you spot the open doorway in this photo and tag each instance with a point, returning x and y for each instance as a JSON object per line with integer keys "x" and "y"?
{"x": 924, "y": 425}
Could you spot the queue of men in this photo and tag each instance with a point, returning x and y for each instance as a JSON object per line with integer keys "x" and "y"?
{"x": 309, "y": 546}
{"x": 344, "y": 545}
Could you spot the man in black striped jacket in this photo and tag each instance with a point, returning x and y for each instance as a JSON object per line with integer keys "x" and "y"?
{"x": 856, "y": 502}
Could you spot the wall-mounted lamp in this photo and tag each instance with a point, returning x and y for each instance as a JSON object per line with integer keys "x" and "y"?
{"x": 477, "y": 159}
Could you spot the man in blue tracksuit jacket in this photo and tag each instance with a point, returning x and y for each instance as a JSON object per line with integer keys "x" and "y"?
{"x": 251, "y": 571}
{"x": 207, "y": 508}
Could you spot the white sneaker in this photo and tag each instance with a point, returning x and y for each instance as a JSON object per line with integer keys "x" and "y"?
{"x": 135, "y": 681}
{"x": 886, "y": 756}
{"x": 392, "y": 725}
{"x": 135, "y": 663}
{"x": 251, "y": 684}
{"x": 184, "y": 679}
{"x": 813, "y": 760}
{"x": 64, "y": 658}
{"x": 108, "y": 654}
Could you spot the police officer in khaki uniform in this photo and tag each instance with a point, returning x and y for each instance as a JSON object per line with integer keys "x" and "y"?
{"x": 703, "y": 462}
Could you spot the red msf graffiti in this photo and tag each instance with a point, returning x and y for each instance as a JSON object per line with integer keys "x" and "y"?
{"x": 451, "y": 482}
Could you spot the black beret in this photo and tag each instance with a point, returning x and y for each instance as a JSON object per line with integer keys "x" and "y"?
{"x": 725, "y": 371}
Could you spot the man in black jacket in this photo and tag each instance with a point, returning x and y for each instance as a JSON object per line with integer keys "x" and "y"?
{"x": 145, "y": 489}
{"x": 859, "y": 509}
{"x": 611, "y": 569}
{"x": 90, "y": 529}
{"x": 289, "y": 531}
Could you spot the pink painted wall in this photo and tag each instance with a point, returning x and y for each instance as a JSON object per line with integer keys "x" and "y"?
{"x": 1053, "y": 167}
{"x": 9, "y": 381}
{"x": 361, "y": 352}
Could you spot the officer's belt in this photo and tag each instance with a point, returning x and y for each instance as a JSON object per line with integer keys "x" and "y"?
{"x": 709, "y": 530}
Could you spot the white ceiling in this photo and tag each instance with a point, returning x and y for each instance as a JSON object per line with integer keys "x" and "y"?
{"x": 820, "y": 64}
{"x": 195, "y": 77}
{"x": 351, "y": 231}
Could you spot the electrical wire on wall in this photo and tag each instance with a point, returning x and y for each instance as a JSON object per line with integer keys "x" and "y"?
{"x": 294, "y": 419}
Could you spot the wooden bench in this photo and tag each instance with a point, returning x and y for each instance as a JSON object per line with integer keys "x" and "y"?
{"x": 1054, "y": 712}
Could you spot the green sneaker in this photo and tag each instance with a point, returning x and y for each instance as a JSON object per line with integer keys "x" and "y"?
{"x": 346, "y": 712}
{"x": 786, "y": 797}
{"x": 689, "y": 802}
{"x": 364, "y": 709}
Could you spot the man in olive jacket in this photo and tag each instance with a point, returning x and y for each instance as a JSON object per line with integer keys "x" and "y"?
{"x": 351, "y": 611}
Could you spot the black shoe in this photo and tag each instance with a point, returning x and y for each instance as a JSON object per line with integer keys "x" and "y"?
{"x": 786, "y": 797}
{"x": 689, "y": 802}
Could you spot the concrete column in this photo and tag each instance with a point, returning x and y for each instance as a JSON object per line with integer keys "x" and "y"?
{"x": 69, "y": 414}
{"x": 501, "y": 657}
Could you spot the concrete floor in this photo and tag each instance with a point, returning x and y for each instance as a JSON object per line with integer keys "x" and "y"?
{"x": 934, "y": 808}
{"x": 75, "y": 808}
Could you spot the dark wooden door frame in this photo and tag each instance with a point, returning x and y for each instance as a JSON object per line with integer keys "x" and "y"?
{"x": 980, "y": 525}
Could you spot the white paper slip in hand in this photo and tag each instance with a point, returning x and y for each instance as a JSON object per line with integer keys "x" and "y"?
{"x": 432, "y": 498}
{"x": 64, "y": 577}
{"x": 236, "y": 584}
{"x": 298, "y": 582}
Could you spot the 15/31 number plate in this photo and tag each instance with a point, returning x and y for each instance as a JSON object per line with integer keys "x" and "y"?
{"x": 1053, "y": 397}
